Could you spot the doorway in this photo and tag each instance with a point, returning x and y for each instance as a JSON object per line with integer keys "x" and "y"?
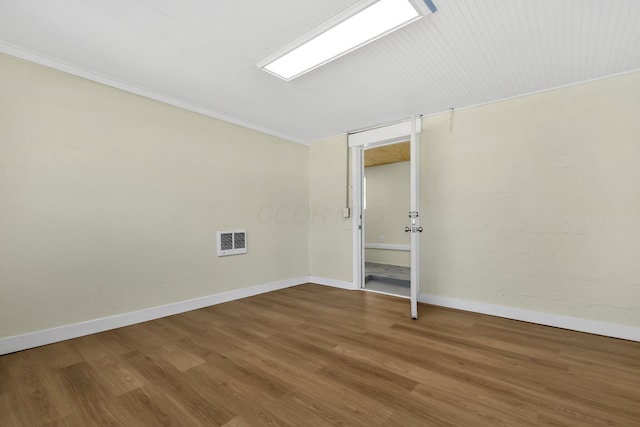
{"x": 373, "y": 138}
{"x": 386, "y": 201}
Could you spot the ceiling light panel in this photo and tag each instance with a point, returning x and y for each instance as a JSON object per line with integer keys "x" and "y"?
{"x": 357, "y": 26}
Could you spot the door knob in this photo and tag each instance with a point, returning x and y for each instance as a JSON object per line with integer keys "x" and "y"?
{"x": 420, "y": 229}
{"x": 407, "y": 229}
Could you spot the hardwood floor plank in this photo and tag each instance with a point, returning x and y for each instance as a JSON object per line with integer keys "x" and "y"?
{"x": 306, "y": 388}
{"x": 68, "y": 421}
{"x": 312, "y": 355}
{"x": 116, "y": 377}
{"x": 180, "y": 359}
{"x": 33, "y": 389}
{"x": 60, "y": 355}
{"x": 237, "y": 388}
{"x": 85, "y": 390}
{"x": 13, "y": 415}
{"x": 9, "y": 363}
{"x": 145, "y": 410}
{"x": 309, "y": 387}
{"x": 166, "y": 379}
{"x": 449, "y": 389}
{"x": 104, "y": 355}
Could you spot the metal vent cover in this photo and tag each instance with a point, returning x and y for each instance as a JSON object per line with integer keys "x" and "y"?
{"x": 232, "y": 242}
{"x": 239, "y": 240}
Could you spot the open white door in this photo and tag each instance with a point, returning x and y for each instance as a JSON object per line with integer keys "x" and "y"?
{"x": 384, "y": 135}
{"x": 414, "y": 216}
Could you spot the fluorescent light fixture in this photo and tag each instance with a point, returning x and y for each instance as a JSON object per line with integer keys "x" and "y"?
{"x": 359, "y": 25}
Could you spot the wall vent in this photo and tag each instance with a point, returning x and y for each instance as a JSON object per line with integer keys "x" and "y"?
{"x": 232, "y": 242}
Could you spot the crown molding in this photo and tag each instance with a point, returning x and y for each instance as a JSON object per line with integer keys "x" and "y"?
{"x": 65, "y": 67}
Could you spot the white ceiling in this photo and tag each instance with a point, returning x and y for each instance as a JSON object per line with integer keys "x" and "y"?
{"x": 201, "y": 55}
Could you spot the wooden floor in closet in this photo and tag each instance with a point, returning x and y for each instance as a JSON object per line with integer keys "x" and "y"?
{"x": 318, "y": 356}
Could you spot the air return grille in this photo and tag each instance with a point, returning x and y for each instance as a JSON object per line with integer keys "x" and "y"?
{"x": 232, "y": 242}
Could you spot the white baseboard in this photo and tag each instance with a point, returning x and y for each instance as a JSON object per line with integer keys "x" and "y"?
{"x": 61, "y": 333}
{"x": 566, "y": 322}
{"x": 332, "y": 282}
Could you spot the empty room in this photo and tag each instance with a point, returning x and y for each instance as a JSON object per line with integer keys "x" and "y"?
{"x": 319, "y": 213}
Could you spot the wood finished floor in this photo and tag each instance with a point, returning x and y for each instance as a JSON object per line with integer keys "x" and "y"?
{"x": 318, "y": 356}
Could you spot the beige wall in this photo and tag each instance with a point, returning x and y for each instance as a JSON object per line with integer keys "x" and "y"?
{"x": 535, "y": 202}
{"x": 109, "y": 202}
{"x": 330, "y": 236}
{"x": 387, "y": 212}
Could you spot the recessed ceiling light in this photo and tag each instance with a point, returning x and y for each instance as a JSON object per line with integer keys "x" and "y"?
{"x": 363, "y": 23}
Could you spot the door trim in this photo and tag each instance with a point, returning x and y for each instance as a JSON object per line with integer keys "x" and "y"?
{"x": 379, "y": 136}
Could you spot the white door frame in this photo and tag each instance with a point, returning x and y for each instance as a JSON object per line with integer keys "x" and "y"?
{"x": 385, "y": 135}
